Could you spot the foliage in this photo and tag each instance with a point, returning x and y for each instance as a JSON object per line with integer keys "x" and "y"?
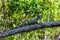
{"x": 23, "y": 10}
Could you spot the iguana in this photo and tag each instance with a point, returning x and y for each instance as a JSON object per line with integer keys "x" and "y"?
{"x": 29, "y": 22}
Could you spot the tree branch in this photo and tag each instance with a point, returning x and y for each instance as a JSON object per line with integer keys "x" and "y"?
{"x": 28, "y": 28}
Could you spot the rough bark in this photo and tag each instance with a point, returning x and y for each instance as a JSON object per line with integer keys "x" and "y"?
{"x": 28, "y": 28}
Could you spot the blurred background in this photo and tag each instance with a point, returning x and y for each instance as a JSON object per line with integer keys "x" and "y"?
{"x": 14, "y": 11}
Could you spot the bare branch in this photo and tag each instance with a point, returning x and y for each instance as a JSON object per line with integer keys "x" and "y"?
{"x": 29, "y": 28}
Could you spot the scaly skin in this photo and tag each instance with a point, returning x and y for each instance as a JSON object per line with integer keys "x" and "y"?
{"x": 33, "y": 21}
